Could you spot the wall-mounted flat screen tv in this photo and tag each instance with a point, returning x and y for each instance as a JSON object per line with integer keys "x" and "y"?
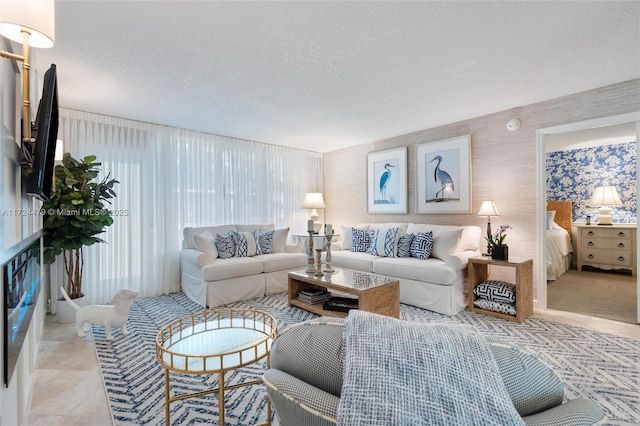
{"x": 39, "y": 181}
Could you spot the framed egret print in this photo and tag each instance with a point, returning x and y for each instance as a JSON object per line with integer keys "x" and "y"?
{"x": 387, "y": 181}
{"x": 443, "y": 173}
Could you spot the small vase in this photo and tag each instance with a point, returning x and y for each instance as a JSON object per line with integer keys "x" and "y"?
{"x": 500, "y": 252}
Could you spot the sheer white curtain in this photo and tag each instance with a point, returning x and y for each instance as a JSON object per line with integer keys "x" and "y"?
{"x": 171, "y": 178}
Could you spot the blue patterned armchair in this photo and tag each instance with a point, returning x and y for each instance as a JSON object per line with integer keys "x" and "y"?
{"x": 305, "y": 380}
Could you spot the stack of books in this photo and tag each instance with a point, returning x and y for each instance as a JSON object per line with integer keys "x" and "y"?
{"x": 314, "y": 295}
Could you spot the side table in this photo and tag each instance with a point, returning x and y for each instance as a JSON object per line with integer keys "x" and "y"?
{"x": 479, "y": 272}
{"x": 213, "y": 342}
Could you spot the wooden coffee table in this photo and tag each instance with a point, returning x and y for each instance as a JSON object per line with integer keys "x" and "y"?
{"x": 376, "y": 293}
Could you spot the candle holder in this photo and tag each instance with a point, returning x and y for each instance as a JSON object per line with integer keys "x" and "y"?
{"x": 319, "y": 272}
{"x": 310, "y": 262}
{"x": 327, "y": 267}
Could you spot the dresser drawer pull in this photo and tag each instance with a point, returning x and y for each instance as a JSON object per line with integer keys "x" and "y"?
{"x": 621, "y": 234}
{"x": 591, "y": 233}
{"x": 620, "y": 245}
{"x": 590, "y": 256}
{"x": 620, "y": 258}
{"x": 590, "y": 244}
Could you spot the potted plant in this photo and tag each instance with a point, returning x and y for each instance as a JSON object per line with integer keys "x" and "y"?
{"x": 74, "y": 217}
{"x": 499, "y": 250}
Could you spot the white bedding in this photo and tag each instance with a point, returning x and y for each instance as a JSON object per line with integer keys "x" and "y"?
{"x": 559, "y": 251}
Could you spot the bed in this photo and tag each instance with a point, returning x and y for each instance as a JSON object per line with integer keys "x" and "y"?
{"x": 559, "y": 248}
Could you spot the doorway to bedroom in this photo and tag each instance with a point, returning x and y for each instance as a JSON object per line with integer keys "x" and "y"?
{"x": 577, "y": 159}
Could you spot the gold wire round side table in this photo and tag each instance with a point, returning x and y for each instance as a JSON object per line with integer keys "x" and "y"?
{"x": 214, "y": 341}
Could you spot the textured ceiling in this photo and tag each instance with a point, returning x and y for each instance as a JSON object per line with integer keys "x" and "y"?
{"x": 326, "y": 75}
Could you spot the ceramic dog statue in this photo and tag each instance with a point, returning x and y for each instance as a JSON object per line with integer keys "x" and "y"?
{"x": 107, "y": 316}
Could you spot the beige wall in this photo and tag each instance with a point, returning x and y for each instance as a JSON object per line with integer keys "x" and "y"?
{"x": 503, "y": 165}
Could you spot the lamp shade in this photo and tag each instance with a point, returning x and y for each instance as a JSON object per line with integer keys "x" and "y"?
{"x": 37, "y": 16}
{"x": 313, "y": 200}
{"x": 605, "y": 196}
{"x": 488, "y": 208}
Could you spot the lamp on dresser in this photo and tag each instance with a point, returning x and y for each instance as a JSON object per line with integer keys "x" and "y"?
{"x": 488, "y": 209}
{"x": 605, "y": 196}
{"x": 314, "y": 201}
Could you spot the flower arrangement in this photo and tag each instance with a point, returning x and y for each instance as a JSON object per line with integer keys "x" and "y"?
{"x": 498, "y": 238}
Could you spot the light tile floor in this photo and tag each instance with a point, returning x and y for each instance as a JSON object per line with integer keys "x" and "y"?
{"x": 68, "y": 386}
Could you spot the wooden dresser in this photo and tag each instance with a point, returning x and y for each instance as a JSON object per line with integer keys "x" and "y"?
{"x": 606, "y": 247}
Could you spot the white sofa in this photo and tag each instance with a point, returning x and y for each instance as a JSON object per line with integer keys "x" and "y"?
{"x": 438, "y": 283}
{"x": 211, "y": 281}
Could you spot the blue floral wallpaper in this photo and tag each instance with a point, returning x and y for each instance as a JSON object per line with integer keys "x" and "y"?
{"x": 573, "y": 175}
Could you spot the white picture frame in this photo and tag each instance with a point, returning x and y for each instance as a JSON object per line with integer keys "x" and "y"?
{"x": 387, "y": 181}
{"x": 443, "y": 176}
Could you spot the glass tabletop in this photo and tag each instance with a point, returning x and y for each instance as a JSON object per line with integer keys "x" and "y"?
{"x": 348, "y": 278}
{"x": 215, "y": 340}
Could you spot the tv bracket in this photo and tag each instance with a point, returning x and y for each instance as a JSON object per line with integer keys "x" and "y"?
{"x": 29, "y": 149}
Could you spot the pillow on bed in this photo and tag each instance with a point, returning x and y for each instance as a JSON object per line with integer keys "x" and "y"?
{"x": 551, "y": 217}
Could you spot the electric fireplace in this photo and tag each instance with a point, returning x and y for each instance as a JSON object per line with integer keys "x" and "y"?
{"x": 21, "y": 289}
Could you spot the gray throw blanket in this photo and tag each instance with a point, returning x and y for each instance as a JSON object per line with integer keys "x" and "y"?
{"x": 406, "y": 373}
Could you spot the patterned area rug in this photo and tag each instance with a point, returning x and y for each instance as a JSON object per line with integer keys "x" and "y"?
{"x": 601, "y": 367}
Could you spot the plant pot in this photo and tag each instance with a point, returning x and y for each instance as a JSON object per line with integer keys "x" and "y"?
{"x": 500, "y": 252}
{"x": 66, "y": 313}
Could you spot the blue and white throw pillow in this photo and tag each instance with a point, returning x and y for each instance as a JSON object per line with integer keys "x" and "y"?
{"x": 265, "y": 242}
{"x": 372, "y": 235}
{"x": 246, "y": 243}
{"x": 496, "y": 291}
{"x": 359, "y": 240}
{"x": 225, "y": 245}
{"x": 421, "y": 245}
{"x": 384, "y": 242}
{"x": 404, "y": 245}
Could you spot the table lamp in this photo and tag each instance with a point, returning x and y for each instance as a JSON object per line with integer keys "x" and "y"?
{"x": 488, "y": 209}
{"x": 314, "y": 201}
{"x": 605, "y": 196}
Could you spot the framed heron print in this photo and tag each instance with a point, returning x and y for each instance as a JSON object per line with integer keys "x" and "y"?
{"x": 443, "y": 173}
{"x": 387, "y": 181}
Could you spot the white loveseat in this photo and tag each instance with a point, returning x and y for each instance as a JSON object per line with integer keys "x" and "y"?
{"x": 210, "y": 280}
{"x": 437, "y": 283}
